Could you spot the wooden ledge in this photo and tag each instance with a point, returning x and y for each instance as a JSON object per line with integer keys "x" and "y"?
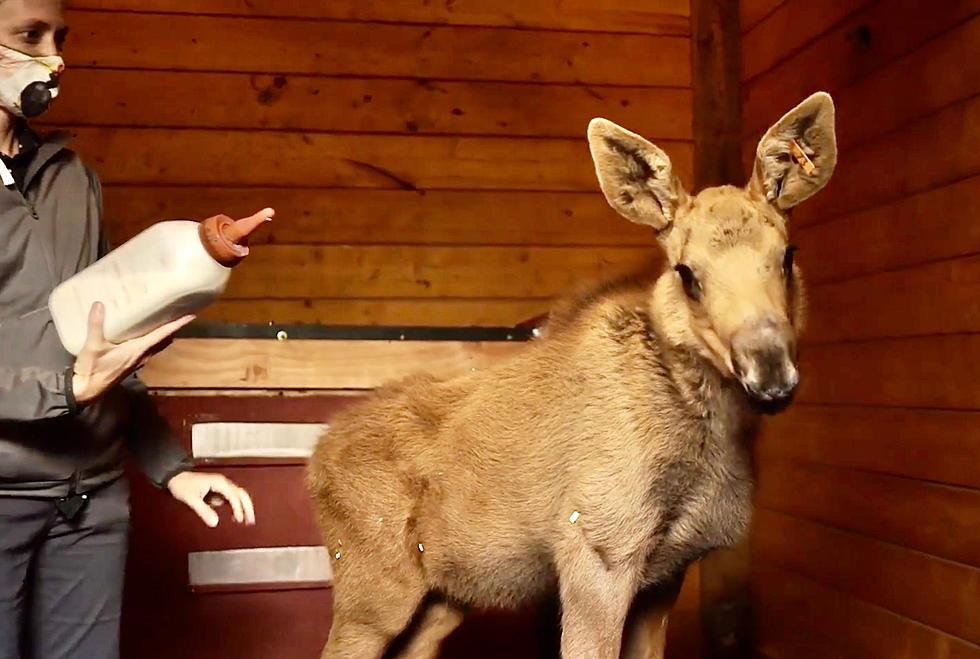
{"x": 312, "y": 364}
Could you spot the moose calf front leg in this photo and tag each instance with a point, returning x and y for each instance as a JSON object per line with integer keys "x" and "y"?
{"x": 595, "y": 598}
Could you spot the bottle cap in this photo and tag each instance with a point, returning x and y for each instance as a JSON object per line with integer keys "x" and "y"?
{"x": 226, "y": 240}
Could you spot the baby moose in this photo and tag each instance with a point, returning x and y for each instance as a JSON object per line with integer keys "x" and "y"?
{"x": 604, "y": 458}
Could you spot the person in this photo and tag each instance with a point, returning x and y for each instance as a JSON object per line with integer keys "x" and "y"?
{"x": 66, "y": 422}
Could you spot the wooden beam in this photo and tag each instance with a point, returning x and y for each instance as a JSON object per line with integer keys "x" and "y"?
{"x": 300, "y": 364}
{"x": 717, "y": 161}
{"x": 717, "y": 102}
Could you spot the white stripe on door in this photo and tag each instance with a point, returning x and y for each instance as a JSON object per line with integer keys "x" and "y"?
{"x": 259, "y": 565}
{"x": 255, "y": 440}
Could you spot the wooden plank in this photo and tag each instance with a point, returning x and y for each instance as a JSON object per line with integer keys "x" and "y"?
{"x": 287, "y": 271}
{"x": 936, "y": 519}
{"x": 863, "y": 43}
{"x": 717, "y": 106}
{"x": 638, "y": 16}
{"x": 274, "y": 46}
{"x": 944, "y": 594}
{"x": 280, "y": 102}
{"x": 311, "y": 364}
{"x": 350, "y": 217}
{"x": 751, "y": 12}
{"x": 928, "y": 226}
{"x": 822, "y": 623}
{"x": 791, "y": 26}
{"x": 938, "y": 298}
{"x": 934, "y": 151}
{"x": 443, "y": 312}
{"x": 796, "y": 643}
{"x": 684, "y": 622}
{"x": 932, "y": 371}
{"x": 937, "y": 74}
{"x": 159, "y": 156}
{"x": 935, "y": 445}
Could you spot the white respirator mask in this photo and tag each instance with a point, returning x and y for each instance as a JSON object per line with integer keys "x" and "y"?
{"x": 28, "y": 84}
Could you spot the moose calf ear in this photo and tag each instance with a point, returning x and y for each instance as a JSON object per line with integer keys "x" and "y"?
{"x": 796, "y": 157}
{"x": 636, "y": 177}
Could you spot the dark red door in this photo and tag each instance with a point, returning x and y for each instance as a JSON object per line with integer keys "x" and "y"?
{"x": 164, "y": 617}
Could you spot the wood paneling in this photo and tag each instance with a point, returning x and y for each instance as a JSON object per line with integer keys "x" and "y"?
{"x": 877, "y": 534}
{"x": 322, "y": 104}
{"x": 263, "y": 45}
{"x": 342, "y": 114}
{"x": 152, "y": 155}
{"x": 788, "y": 28}
{"x": 751, "y": 12}
{"x": 639, "y": 16}
{"x": 861, "y": 44}
{"x": 803, "y": 619}
{"x": 928, "y": 517}
{"x": 933, "y": 225}
{"x": 938, "y": 298}
{"x": 933, "y": 445}
{"x": 385, "y": 217}
{"x": 939, "y": 73}
{"x": 291, "y": 271}
{"x": 930, "y": 371}
{"x": 947, "y": 594}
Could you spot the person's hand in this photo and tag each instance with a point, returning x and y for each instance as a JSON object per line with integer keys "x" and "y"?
{"x": 192, "y": 488}
{"x": 101, "y": 363}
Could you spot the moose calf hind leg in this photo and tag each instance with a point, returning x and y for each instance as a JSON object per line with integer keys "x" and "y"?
{"x": 436, "y": 620}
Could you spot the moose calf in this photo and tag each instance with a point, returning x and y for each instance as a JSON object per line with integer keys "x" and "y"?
{"x": 604, "y": 458}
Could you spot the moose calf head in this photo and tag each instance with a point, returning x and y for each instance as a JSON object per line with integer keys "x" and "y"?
{"x": 737, "y": 296}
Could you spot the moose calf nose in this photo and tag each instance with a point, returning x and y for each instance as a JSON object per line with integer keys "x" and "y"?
{"x": 762, "y": 354}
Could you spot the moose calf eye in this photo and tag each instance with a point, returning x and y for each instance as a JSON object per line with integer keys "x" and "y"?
{"x": 788, "y": 261}
{"x": 692, "y": 287}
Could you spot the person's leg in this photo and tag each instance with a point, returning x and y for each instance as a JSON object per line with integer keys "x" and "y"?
{"x": 22, "y": 525}
{"x": 79, "y": 580}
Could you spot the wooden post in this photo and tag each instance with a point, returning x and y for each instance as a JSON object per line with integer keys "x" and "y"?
{"x": 717, "y": 101}
{"x": 725, "y": 613}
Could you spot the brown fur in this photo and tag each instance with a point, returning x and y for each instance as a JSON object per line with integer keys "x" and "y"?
{"x": 599, "y": 462}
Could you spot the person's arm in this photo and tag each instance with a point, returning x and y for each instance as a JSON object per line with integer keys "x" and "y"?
{"x": 149, "y": 438}
{"x": 165, "y": 462}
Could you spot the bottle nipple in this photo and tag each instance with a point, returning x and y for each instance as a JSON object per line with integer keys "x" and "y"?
{"x": 226, "y": 240}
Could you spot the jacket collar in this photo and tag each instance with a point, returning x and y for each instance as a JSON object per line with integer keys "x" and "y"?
{"x": 51, "y": 144}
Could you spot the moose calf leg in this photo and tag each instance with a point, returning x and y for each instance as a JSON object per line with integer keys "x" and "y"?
{"x": 437, "y": 620}
{"x": 369, "y": 610}
{"x": 595, "y": 599}
{"x": 645, "y": 634}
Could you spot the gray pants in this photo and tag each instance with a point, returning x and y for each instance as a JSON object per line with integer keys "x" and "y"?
{"x": 61, "y": 582}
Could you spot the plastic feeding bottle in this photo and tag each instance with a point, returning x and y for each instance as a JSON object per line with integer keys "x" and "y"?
{"x": 171, "y": 269}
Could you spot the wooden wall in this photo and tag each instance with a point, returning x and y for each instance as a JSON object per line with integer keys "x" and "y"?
{"x": 427, "y": 160}
{"x": 866, "y": 542}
